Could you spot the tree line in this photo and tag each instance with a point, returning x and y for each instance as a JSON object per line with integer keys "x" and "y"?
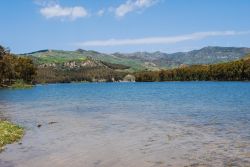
{"x": 13, "y": 68}
{"x": 232, "y": 71}
{"x": 86, "y": 74}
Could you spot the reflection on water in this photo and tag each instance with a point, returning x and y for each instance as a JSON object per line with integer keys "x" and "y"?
{"x": 130, "y": 124}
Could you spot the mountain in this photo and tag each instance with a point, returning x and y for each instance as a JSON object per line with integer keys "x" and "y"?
{"x": 207, "y": 55}
{"x": 141, "y": 60}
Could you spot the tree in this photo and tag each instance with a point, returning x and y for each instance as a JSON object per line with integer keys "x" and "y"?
{"x": 231, "y": 71}
{"x": 25, "y": 69}
{"x": 13, "y": 67}
{"x": 3, "y": 51}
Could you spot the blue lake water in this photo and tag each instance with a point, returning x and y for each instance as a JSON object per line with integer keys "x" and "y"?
{"x": 130, "y": 124}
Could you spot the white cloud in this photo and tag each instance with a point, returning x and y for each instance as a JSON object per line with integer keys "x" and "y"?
{"x": 161, "y": 40}
{"x": 133, "y": 5}
{"x": 53, "y": 9}
{"x": 101, "y": 12}
{"x": 45, "y": 2}
{"x": 57, "y": 11}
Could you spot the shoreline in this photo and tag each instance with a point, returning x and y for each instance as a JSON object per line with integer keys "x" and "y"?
{"x": 9, "y": 133}
{"x": 44, "y": 84}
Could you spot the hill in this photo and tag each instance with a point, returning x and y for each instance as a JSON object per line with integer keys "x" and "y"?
{"x": 139, "y": 61}
{"x": 58, "y": 57}
{"x": 207, "y": 55}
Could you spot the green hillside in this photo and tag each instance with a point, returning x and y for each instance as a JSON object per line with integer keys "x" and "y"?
{"x": 139, "y": 61}
{"x": 59, "y": 56}
{"x": 56, "y": 56}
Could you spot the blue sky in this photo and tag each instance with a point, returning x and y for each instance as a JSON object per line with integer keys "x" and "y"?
{"x": 123, "y": 25}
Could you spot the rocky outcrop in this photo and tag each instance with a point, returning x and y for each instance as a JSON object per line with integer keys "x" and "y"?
{"x": 47, "y": 65}
{"x": 71, "y": 64}
{"x": 90, "y": 63}
{"x": 129, "y": 78}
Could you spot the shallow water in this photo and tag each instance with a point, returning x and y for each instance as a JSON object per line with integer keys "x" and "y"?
{"x": 130, "y": 125}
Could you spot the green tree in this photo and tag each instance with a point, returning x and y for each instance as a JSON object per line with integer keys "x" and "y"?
{"x": 13, "y": 68}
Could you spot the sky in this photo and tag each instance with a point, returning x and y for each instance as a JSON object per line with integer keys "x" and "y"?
{"x": 123, "y": 25}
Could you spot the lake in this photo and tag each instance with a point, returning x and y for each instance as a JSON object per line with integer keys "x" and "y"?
{"x": 129, "y": 124}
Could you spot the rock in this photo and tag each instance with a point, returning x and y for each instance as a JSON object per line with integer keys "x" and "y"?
{"x": 183, "y": 66}
{"x": 53, "y": 122}
{"x": 129, "y": 78}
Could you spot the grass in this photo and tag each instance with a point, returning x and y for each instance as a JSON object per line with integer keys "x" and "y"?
{"x": 57, "y": 56}
{"x": 20, "y": 84}
{"x": 9, "y": 133}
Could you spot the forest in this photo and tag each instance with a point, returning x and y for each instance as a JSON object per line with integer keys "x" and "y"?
{"x": 88, "y": 74}
{"x": 231, "y": 71}
{"x": 13, "y": 68}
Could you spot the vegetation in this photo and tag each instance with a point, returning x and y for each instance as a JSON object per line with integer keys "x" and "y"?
{"x": 231, "y": 71}
{"x": 60, "y": 57}
{"x": 89, "y": 74}
{"x": 13, "y": 68}
{"x": 140, "y": 61}
{"x": 9, "y": 133}
{"x": 20, "y": 84}
{"x": 116, "y": 66}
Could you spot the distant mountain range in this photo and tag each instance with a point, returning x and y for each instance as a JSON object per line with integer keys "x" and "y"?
{"x": 140, "y": 60}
